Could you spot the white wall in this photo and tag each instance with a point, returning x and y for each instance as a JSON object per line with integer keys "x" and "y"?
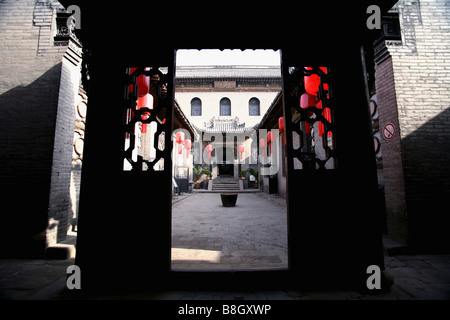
{"x": 211, "y": 103}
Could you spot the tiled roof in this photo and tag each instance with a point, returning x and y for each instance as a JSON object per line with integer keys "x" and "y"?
{"x": 228, "y": 72}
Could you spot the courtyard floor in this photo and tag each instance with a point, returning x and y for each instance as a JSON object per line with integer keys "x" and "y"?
{"x": 251, "y": 235}
{"x": 213, "y": 237}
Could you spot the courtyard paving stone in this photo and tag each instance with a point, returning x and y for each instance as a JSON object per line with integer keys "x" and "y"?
{"x": 251, "y": 235}
{"x": 221, "y": 243}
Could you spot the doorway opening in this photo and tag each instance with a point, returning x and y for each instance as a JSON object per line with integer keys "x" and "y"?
{"x": 223, "y": 97}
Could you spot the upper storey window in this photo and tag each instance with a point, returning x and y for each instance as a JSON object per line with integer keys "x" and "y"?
{"x": 253, "y": 107}
{"x": 225, "y": 107}
{"x": 196, "y": 107}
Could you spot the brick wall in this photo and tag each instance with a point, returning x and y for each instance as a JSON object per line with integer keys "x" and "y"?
{"x": 413, "y": 85}
{"x": 60, "y": 207}
{"x": 35, "y": 93}
{"x": 397, "y": 225}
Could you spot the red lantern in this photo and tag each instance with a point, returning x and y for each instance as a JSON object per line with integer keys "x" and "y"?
{"x": 328, "y": 117}
{"x": 209, "y": 148}
{"x": 269, "y": 140}
{"x": 145, "y": 116}
{"x": 327, "y": 114}
{"x": 312, "y": 82}
{"x": 187, "y": 146}
{"x": 281, "y": 126}
{"x": 263, "y": 145}
{"x": 143, "y": 83}
{"x": 180, "y": 137}
{"x": 307, "y": 100}
{"x": 145, "y": 101}
{"x": 241, "y": 150}
{"x": 281, "y": 123}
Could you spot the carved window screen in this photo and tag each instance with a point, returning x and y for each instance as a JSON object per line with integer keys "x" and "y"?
{"x": 312, "y": 125}
{"x": 144, "y": 118}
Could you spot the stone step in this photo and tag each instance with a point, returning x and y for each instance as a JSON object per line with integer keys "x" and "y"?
{"x": 225, "y": 184}
{"x": 225, "y": 187}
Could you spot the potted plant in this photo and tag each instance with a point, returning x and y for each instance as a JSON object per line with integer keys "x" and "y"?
{"x": 208, "y": 174}
{"x": 197, "y": 171}
{"x": 242, "y": 174}
{"x": 254, "y": 173}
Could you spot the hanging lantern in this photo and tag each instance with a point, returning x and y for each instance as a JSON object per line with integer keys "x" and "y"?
{"x": 281, "y": 126}
{"x": 307, "y": 100}
{"x": 312, "y": 82}
{"x": 269, "y": 140}
{"x": 263, "y": 145}
{"x": 241, "y": 150}
{"x": 328, "y": 117}
{"x": 180, "y": 137}
{"x": 142, "y": 82}
{"x": 327, "y": 114}
{"x": 145, "y": 101}
{"x": 187, "y": 146}
{"x": 145, "y": 116}
{"x": 209, "y": 148}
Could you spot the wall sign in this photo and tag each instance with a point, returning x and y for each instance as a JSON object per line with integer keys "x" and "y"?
{"x": 388, "y": 131}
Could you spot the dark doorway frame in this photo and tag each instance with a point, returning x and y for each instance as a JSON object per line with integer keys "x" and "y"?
{"x": 124, "y": 237}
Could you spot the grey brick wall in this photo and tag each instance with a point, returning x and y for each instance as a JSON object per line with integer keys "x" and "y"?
{"x": 413, "y": 85}
{"x": 36, "y": 126}
{"x": 397, "y": 225}
{"x": 60, "y": 207}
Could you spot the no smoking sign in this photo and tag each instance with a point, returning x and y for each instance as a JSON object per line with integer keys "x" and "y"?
{"x": 388, "y": 131}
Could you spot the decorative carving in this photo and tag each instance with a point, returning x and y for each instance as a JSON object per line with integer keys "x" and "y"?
{"x": 312, "y": 128}
{"x": 143, "y": 150}
{"x": 80, "y": 123}
{"x": 64, "y": 30}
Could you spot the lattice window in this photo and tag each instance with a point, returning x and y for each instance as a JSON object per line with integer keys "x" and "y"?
{"x": 145, "y": 109}
{"x": 308, "y": 97}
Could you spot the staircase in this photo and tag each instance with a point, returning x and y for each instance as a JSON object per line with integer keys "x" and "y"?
{"x": 225, "y": 184}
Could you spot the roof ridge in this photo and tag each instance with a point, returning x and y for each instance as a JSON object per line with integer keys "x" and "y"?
{"x": 259, "y": 66}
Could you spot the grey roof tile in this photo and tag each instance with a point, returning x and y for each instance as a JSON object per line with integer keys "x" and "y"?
{"x": 216, "y": 72}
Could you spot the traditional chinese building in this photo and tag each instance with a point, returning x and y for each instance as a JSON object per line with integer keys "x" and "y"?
{"x": 225, "y": 105}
